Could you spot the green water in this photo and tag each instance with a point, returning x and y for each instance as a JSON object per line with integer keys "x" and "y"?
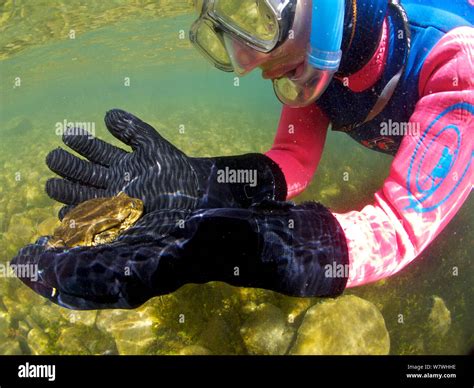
{"x": 172, "y": 88}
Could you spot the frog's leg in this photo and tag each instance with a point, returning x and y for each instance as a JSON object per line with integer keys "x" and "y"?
{"x": 104, "y": 231}
{"x": 106, "y": 237}
{"x": 88, "y": 237}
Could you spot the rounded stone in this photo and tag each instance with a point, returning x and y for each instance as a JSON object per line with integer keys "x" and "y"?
{"x": 347, "y": 325}
{"x": 133, "y": 331}
{"x": 38, "y": 341}
{"x": 266, "y": 331}
{"x": 10, "y": 348}
{"x": 4, "y": 325}
{"x": 83, "y": 340}
{"x": 440, "y": 317}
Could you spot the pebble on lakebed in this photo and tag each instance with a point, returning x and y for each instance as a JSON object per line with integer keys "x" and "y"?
{"x": 347, "y": 325}
{"x": 440, "y": 317}
{"x": 266, "y": 331}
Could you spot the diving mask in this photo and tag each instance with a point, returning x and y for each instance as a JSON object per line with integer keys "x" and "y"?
{"x": 257, "y": 24}
{"x": 240, "y": 35}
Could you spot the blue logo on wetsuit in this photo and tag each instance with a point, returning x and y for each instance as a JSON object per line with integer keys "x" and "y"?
{"x": 421, "y": 187}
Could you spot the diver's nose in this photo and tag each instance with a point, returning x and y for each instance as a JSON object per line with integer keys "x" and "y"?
{"x": 244, "y": 58}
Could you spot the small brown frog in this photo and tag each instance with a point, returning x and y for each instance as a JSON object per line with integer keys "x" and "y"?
{"x": 97, "y": 221}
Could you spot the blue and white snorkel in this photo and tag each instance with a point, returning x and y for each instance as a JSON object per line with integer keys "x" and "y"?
{"x": 323, "y": 56}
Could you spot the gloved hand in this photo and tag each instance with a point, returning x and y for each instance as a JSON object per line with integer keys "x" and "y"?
{"x": 277, "y": 246}
{"x": 155, "y": 171}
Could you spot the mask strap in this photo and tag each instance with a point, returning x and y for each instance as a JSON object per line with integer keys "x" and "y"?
{"x": 389, "y": 89}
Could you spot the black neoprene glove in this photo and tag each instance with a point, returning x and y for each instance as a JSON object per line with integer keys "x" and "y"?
{"x": 295, "y": 250}
{"x": 157, "y": 172}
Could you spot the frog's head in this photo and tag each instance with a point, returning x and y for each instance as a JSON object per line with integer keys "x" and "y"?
{"x": 129, "y": 209}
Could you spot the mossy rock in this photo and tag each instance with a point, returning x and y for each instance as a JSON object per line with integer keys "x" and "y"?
{"x": 87, "y": 318}
{"x": 10, "y": 348}
{"x": 38, "y": 342}
{"x": 132, "y": 331}
{"x": 344, "y": 326}
{"x": 83, "y": 340}
{"x": 266, "y": 331}
{"x": 221, "y": 337}
{"x": 5, "y": 322}
{"x": 440, "y": 317}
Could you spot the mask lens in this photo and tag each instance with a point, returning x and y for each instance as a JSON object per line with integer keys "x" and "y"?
{"x": 209, "y": 41}
{"x": 252, "y": 17}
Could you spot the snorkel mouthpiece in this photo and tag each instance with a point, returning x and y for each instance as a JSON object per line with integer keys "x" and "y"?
{"x": 323, "y": 56}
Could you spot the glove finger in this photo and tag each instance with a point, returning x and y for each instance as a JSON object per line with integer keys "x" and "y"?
{"x": 89, "y": 277}
{"x": 130, "y": 129}
{"x": 73, "y": 168}
{"x": 32, "y": 249}
{"x": 71, "y": 193}
{"x": 28, "y": 265}
{"x": 42, "y": 241}
{"x": 95, "y": 150}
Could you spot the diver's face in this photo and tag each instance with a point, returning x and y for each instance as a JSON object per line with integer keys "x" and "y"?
{"x": 289, "y": 56}
{"x": 285, "y": 59}
{"x": 282, "y": 61}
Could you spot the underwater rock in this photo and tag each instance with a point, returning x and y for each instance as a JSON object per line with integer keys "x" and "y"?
{"x": 46, "y": 316}
{"x": 16, "y": 310}
{"x": 220, "y": 337}
{"x": 27, "y": 296}
{"x": 38, "y": 342}
{"x": 86, "y": 318}
{"x": 195, "y": 350}
{"x": 266, "y": 331}
{"x": 294, "y": 308}
{"x": 84, "y": 340}
{"x": 204, "y": 315}
{"x": 167, "y": 341}
{"x": 10, "y": 348}
{"x": 440, "y": 317}
{"x": 133, "y": 331}
{"x": 251, "y": 298}
{"x": 133, "y": 337}
{"x": 347, "y": 325}
{"x": 106, "y": 319}
{"x": 193, "y": 308}
{"x": 4, "y": 325}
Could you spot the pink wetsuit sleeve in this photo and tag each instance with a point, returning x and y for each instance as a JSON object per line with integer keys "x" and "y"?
{"x": 431, "y": 175}
{"x": 298, "y": 145}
